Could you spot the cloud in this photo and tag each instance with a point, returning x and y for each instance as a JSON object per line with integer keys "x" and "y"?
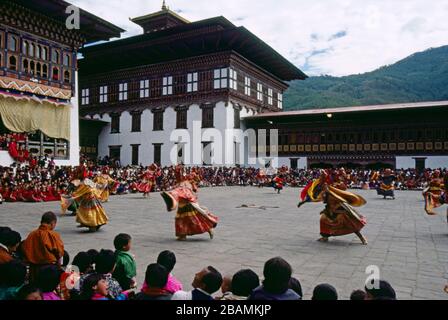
{"x": 364, "y": 34}
{"x": 340, "y": 34}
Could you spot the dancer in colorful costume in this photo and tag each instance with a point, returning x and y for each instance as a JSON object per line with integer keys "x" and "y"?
{"x": 339, "y": 217}
{"x": 191, "y": 218}
{"x": 90, "y": 213}
{"x": 104, "y": 185}
{"x": 438, "y": 198}
{"x": 278, "y": 183}
{"x": 387, "y": 185}
{"x": 148, "y": 180}
{"x": 436, "y": 185}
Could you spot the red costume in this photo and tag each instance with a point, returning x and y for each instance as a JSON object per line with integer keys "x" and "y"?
{"x": 191, "y": 218}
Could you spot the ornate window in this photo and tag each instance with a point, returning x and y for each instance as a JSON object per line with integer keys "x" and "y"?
{"x": 237, "y": 118}
{"x": 233, "y": 80}
{"x": 66, "y": 60}
{"x": 103, "y": 94}
{"x": 55, "y": 74}
{"x": 44, "y": 71}
{"x": 26, "y": 66}
{"x": 123, "y": 91}
{"x": 13, "y": 43}
{"x": 136, "y": 121}
{"x": 32, "y": 67}
{"x": 38, "y": 52}
{"x": 55, "y": 56}
{"x": 85, "y": 93}
{"x": 38, "y": 69}
{"x": 221, "y": 78}
{"x": 12, "y": 63}
{"x": 208, "y": 116}
{"x": 144, "y": 88}
{"x": 270, "y": 97}
{"x": 67, "y": 76}
{"x": 192, "y": 82}
{"x": 31, "y": 50}
{"x": 259, "y": 92}
{"x": 44, "y": 55}
{"x": 158, "y": 120}
{"x": 247, "y": 89}
{"x": 167, "y": 86}
{"x": 25, "y": 47}
{"x": 280, "y": 100}
{"x": 181, "y": 118}
{"x": 115, "y": 123}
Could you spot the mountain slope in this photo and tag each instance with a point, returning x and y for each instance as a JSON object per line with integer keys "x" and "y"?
{"x": 422, "y": 76}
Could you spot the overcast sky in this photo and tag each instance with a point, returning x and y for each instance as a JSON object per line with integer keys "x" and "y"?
{"x": 335, "y": 37}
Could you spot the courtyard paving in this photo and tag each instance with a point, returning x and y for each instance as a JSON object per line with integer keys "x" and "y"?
{"x": 409, "y": 247}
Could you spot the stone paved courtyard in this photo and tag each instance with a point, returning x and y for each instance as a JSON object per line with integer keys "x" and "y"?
{"x": 410, "y": 247}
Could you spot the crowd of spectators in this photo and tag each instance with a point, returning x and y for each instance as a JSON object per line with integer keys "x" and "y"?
{"x": 38, "y": 268}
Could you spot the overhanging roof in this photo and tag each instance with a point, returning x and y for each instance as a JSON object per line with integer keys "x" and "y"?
{"x": 212, "y": 36}
{"x": 158, "y": 14}
{"x": 92, "y": 27}
{"x": 357, "y": 109}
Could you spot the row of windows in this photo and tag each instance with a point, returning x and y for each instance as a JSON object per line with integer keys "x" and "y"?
{"x": 222, "y": 79}
{"x": 364, "y": 137}
{"x": 208, "y": 118}
{"x": 37, "y": 69}
{"x": 35, "y": 50}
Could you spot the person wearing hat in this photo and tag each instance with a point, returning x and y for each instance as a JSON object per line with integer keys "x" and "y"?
{"x": 339, "y": 217}
{"x": 387, "y": 185}
{"x": 90, "y": 213}
{"x": 104, "y": 185}
{"x": 148, "y": 180}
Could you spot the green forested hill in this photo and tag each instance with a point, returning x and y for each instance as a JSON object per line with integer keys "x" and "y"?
{"x": 422, "y": 76}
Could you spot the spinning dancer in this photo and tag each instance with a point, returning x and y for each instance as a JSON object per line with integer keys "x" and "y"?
{"x": 437, "y": 199}
{"x": 149, "y": 180}
{"x": 90, "y": 213}
{"x": 387, "y": 186}
{"x": 191, "y": 218}
{"x": 278, "y": 182}
{"x": 104, "y": 185}
{"x": 339, "y": 218}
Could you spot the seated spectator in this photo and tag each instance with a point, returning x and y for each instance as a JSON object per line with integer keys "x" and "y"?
{"x": 29, "y": 292}
{"x": 82, "y": 267}
{"x": 324, "y": 292}
{"x": 384, "y": 292}
{"x": 243, "y": 283}
{"x": 358, "y": 295}
{"x": 93, "y": 256}
{"x": 277, "y": 274}
{"x": 168, "y": 260}
{"x": 226, "y": 287}
{"x": 43, "y": 246}
{"x": 296, "y": 286}
{"x": 9, "y": 242}
{"x": 125, "y": 269}
{"x": 105, "y": 265}
{"x": 12, "y": 278}
{"x": 205, "y": 283}
{"x": 156, "y": 278}
{"x": 48, "y": 280}
{"x": 95, "y": 287}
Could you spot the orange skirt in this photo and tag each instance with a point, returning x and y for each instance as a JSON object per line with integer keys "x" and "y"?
{"x": 192, "y": 219}
{"x": 342, "y": 225}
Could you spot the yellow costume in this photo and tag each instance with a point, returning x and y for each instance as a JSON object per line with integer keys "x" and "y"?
{"x": 90, "y": 213}
{"x": 104, "y": 184}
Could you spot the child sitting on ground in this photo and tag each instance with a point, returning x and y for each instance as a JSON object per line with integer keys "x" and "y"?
{"x": 95, "y": 288}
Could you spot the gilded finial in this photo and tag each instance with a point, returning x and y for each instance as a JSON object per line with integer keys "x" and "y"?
{"x": 164, "y": 7}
